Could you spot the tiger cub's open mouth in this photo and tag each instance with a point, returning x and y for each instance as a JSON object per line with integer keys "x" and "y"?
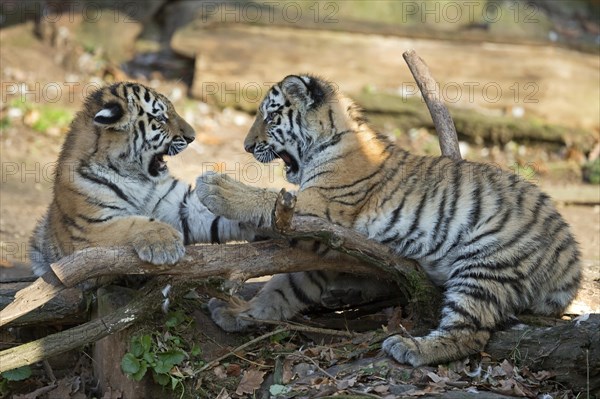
{"x": 291, "y": 164}
{"x": 158, "y": 164}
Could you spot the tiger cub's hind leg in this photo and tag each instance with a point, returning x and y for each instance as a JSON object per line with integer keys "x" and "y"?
{"x": 282, "y": 297}
{"x": 286, "y": 295}
{"x": 468, "y": 318}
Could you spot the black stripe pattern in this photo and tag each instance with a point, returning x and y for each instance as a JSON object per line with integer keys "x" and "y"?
{"x": 491, "y": 239}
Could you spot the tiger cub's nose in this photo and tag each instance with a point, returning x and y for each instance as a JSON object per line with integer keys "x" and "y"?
{"x": 249, "y": 147}
{"x": 188, "y": 139}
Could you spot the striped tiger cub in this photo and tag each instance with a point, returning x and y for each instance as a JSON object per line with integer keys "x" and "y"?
{"x": 493, "y": 241}
{"x": 112, "y": 185}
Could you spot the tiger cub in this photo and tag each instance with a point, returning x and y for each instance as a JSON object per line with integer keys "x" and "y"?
{"x": 112, "y": 185}
{"x": 493, "y": 241}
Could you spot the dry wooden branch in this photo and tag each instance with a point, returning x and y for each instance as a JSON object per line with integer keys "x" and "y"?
{"x": 55, "y": 344}
{"x": 235, "y": 261}
{"x": 439, "y": 113}
{"x": 32, "y": 297}
{"x": 69, "y": 307}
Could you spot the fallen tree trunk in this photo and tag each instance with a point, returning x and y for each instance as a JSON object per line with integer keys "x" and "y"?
{"x": 570, "y": 350}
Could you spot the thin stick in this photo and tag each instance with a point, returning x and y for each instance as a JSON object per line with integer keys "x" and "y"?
{"x": 304, "y": 328}
{"x": 310, "y": 359}
{"x": 439, "y": 113}
{"x": 216, "y": 361}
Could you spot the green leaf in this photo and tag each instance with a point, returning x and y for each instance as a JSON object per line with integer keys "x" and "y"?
{"x": 149, "y": 358}
{"x": 146, "y": 342}
{"x": 277, "y": 338}
{"x": 4, "y": 389}
{"x": 174, "y": 382}
{"x": 171, "y": 357}
{"x": 141, "y": 372}
{"x": 161, "y": 379}
{"x": 18, "y": 374}
{"x": 175, "y": 318}
{"x": 130, "y": 364}
{"x": 136, "y": 348}
{"x": 196, "y": 350}
{"x": 277, "y": 389}
{"x": 162, "y": 368}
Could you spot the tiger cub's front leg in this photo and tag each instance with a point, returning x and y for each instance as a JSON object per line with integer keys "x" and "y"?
{"x": 154, "y": 241}
{"x": 231, "y": 199}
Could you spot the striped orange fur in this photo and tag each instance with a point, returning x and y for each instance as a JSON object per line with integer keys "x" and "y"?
{"x": 492, "y": 240}
{"x": 112, "y": 186}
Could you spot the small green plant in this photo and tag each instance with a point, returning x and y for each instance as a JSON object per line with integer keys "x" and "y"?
{"x": 52, "y": 117}
{"x": 591, "y": 172}
{"x": 48, "y": 116}
{"x": 4, "y": 123}
{"x": 165, "y": 354}
{"x": 18, "y": 374}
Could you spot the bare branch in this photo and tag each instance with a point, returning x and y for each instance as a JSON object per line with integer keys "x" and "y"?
{"x": 68, "y": 307}
{"x": 66, "y": 340}
{"x": 439, "y": 113}
{"x": 233, "y": 261}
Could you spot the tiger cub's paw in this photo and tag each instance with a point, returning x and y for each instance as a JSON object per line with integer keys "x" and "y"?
{"x": 160, "y": 245}
{"x": 222, "y": 195}
{"x": 404, "y": 350}
{"x": 229, "y": 316}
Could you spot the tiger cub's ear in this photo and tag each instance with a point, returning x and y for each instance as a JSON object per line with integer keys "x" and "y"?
{"x": 296, "y": 91}
{"x": 110, "y": 115}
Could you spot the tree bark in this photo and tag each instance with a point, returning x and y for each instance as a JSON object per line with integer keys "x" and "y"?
{"x": 571, "y": 350}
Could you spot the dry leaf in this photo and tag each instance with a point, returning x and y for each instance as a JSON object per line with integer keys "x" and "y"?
{"x": 223, "y": 394}
{"x": 543, "y": 375}
{"x": 512, "y": 387}
{"x": 381, "y": 388}
{"x": 346, "y": 383}
{"x": 220, "y": 372}
{"x": 234, "y": 370}
{"x": 110, "y": 393}
{"x": 422, "y": 392}
{"x": 507, "y": 367}
{"x": 434, "y": 377}
{"x": 287, "y": 374}
{"x": 250, "y": 382}
{"x": 66, "y": 386}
